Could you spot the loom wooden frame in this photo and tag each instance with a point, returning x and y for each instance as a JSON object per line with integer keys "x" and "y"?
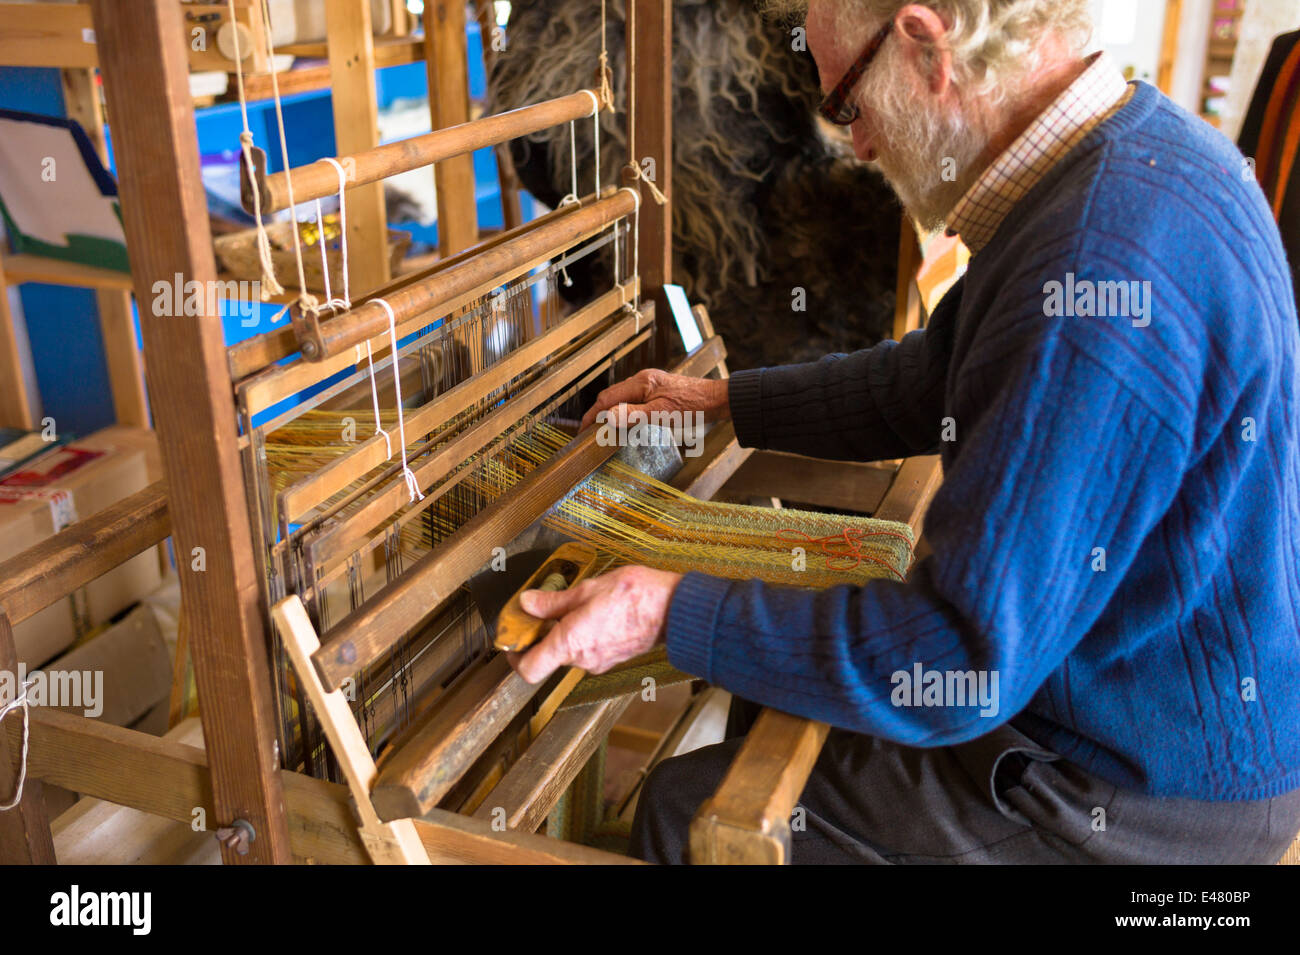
{"x": 202, "y": 505}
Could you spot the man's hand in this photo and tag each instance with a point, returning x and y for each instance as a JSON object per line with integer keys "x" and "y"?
{"x": 654, "y": 390}
{"x": 601, "y": 622}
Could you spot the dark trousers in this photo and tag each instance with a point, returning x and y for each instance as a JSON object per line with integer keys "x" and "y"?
{"x": 998, "y": 799}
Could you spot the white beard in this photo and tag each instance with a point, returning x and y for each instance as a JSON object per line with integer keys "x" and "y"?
{"x": 916, "y": 147}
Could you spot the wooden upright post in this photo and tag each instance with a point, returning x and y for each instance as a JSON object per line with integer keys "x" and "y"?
{"x": 650, "y": 100}
{"x": 448, "y": 67}
{"x": 17, "y": 407}
{"x": 116, "y": 322}
{"x": 25, "y": 837}
{"x": 356, "y": 129}
{"x": 164, "y": 212}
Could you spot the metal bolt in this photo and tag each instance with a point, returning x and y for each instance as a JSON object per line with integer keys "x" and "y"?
{"x": 309, "y": 349}
{"x": 237, "y": 836}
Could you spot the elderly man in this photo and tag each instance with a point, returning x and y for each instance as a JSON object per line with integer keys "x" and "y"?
{"x": 1116, "y": 544}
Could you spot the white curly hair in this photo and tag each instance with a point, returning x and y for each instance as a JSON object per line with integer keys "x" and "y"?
{"x": 992, "y": 41}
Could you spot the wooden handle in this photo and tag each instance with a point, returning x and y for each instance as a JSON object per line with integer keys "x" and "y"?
{"x": 518, "y": 630}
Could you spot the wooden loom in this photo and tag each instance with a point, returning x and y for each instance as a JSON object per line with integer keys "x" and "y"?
{"x": 202, "y": 392}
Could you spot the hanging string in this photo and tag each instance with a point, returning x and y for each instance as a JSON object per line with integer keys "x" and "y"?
{"x": 572, "y": 198}
{"x": 374, "y": 397}
{"x": 412, "y": 485}
{"x": 270, "y": 286}
{"x": 636, "y": 254}
{"x": 343, "y": 232}
{"x": 606, "y": 74}
{"x": 595, "y": 125}
{"x": 19, "y": 702}
{"x": 306, "y": 301}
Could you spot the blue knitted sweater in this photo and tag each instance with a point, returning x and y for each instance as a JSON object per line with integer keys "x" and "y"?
{"x": 1117, "y": 537}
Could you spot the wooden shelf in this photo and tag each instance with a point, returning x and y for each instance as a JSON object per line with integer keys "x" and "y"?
{"x": 36, "y": 268}
{"x": 389, "y": 50}
{"x": 62, "y": 36}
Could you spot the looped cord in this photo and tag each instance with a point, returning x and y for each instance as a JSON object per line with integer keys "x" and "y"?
{"x": 606, "y": 74}
{"x": 19, "y": 702}
{"x": 606, "y": 86}
{"x": 307, "y": 302}
{"x": 412, "y": 485}
{"x": 374, "y": 399}
{"x": 637, "y": 173}
{"x": 572, "y": 198}
{"x": 270, "y": 286}
{"x": 343, "y": 233}
{"x": 595, "y": 133}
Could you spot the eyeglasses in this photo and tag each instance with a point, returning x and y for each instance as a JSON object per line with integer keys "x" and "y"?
{"x": 836, "y": 107}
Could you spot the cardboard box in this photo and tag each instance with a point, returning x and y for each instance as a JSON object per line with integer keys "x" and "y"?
{"x": 56, "y": 489}
{"x": 127, "y": 668}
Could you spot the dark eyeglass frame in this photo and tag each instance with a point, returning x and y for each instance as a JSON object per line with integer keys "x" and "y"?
{"x": 836, "y": 106}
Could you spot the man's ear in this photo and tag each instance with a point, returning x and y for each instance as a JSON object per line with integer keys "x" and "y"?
{"x": 924, "y": 38}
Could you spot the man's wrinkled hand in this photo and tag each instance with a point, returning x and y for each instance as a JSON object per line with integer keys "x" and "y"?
{"x": 654, "y": 390}
{"x": 600, "y": 623}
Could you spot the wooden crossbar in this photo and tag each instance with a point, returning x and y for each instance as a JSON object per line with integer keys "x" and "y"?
{"x": 320, "y": 179}
{"x": 260, "y": 353}
{"x": 331, "y": 478}
{"x": 477, "y": 275}
{"x": 81, "y": 552}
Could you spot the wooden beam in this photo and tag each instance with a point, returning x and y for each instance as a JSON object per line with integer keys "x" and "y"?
{"x": 37, "y": 268}
{"x": 319, "y": 179}
{"x": 82, "y": 552}
{"x": 25, "y": 837}
{"x": 1169, "y": 46}
{"x": 356, "y": 129}
{"x": 907, "y": 299}
{"x": 534, "y": 784}
{"x": 910, "y": 494}
{"x": 428, "y": 297}
{"x": 261, "y": 352}
{"x": 164, "y": 213}
{"x": 172, "y": 780}
{"x": 433, "y": 755}
{"x": 116, "y": 318}
{"x": 747, "y": 821}
{"x": 448, "y": 70}
{"x": 63, "y": 36}
{"x": 650, "y": 112}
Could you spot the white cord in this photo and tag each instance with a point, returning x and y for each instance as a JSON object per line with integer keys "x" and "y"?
{"x": 572, "y": 198}
{"x": 636, "y": 254}
{"x": 595, "y": 116}
{"x": 19, "y": 701}
{"x": 343, "y": 227}
{"x": 412, "y": 485}
{"x": 374, "y": 398}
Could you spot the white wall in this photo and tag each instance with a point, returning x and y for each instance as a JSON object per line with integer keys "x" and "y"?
{"x": 1132, "y": 31}
{"x": 1263, "y": 20}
